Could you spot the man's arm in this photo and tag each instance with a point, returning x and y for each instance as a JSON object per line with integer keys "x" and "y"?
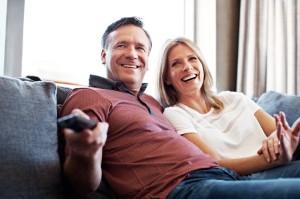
{"x": 83, "y": 156}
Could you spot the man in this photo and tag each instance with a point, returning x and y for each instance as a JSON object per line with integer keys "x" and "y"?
{"x": 139, "y": 154}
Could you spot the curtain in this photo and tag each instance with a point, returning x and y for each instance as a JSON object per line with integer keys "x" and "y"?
{"x": 269, "y": 52}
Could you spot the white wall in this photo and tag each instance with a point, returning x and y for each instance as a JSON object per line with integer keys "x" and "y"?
{"x": 205, "y": 28}
{"x": 3, "y": 9}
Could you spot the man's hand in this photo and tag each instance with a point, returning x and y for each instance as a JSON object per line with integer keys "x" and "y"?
{"x": 86, "y": 142}
{"x": 83, "y": 156}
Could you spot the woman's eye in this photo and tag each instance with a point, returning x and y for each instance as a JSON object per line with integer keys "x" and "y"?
{"x": 193, "y": 58}
{"x": 174, "y": 64}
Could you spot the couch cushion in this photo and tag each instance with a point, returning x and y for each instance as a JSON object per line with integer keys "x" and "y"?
{"x": 29, "y": 163}
{"x": 62, "y": 92}
{"x": 273, "y": 102}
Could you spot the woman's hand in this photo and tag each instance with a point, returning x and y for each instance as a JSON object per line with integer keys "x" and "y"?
{"x": 270, "y": 147}
{"x": 284, "y": 143}
{"x": 289, "y": 138}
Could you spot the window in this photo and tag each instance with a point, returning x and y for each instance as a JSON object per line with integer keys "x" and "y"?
{"x": 62, "y": 38}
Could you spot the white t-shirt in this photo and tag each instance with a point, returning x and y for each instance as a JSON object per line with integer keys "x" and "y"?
{"x": 233, "y": 132}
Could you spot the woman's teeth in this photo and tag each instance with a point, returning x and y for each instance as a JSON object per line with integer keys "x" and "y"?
{"x": 190, "y": 77}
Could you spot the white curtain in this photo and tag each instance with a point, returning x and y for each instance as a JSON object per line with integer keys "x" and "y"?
{"x": 269, "y": 52}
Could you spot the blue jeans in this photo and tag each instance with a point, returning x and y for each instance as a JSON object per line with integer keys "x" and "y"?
{"x": 219, "y": 182}
{"x": 296, "y": 155}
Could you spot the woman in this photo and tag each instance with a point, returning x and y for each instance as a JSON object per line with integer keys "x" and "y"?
{"x": 228, "y": 125}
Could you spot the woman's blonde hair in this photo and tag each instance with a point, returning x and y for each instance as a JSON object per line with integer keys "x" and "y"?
{"x": 167, "y": 94}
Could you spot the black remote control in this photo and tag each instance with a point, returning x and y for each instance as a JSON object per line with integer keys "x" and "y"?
{"x": 76, "y": 123}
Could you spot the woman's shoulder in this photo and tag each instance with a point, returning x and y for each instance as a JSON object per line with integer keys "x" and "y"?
{"x": 178, "y": 110}
{"x": 230, "y": 94}
{"x": 172, "y": 109}
{"x": 228, "y": 97}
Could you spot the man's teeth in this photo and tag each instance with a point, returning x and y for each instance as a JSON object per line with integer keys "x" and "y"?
{"x": 190, "y": 77}
{"x": 129, "y": 66}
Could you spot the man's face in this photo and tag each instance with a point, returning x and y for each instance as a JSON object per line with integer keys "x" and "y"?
{"x": 126, "y": 56}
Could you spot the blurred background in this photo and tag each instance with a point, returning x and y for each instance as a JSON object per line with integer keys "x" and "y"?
{"x": 251, "y": 46}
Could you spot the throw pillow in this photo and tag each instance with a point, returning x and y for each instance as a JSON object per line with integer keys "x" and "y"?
{"x": 273, "y": 102}
{"x": 29, "y": 163}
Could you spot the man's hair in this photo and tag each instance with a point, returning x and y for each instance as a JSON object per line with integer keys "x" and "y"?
{"x": 136, "y": 21}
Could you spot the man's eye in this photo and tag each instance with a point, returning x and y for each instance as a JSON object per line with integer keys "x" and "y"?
{"x": 141, "y": 49}
{"x": 121, "y": 46}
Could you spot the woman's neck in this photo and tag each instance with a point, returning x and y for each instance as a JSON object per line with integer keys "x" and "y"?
{"x": 196, "y": 102}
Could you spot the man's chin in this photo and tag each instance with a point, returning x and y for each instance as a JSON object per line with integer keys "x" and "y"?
{"x": 131, "y": 81}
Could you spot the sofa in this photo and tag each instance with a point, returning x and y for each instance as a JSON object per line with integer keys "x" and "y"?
{"x": 31, "y": 147}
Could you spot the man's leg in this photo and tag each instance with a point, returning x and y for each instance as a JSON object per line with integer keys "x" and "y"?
{"x": 296, "y": 155}
{"x": 225, "y": 184}
{"x": 291, "y": 170}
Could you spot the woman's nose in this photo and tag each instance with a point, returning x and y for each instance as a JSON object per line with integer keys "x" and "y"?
{"x": 187, "y": 67}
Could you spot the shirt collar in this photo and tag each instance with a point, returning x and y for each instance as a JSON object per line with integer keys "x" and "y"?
{"x": 104, "y": 83}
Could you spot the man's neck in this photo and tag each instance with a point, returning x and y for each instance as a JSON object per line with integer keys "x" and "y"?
{"x": 104, "y": 83}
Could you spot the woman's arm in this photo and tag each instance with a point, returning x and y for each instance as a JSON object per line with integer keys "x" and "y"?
{"x": 243, "y": 166}
{"x": 266, "y": 121}
{"x": 248, "y": 165}
{"x": 200, "y": 143}
{"x": 270, "y": 146}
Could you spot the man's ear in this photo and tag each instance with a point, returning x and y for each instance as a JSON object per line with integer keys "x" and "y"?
{"x": 103, "y": 56}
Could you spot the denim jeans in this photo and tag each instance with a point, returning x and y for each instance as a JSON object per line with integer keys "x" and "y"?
{"x": 291, "y": 170}
{"x": 296, "y": 155}
{"x": 219, "y": 182}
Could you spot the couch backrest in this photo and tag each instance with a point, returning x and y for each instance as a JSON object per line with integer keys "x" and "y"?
{"x": 29, "y": 164}
{"x": 273, "y": 102}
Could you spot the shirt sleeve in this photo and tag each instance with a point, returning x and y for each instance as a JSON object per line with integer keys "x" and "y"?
{"x": 253, "y": 107}
{"x": 180, "y": 120}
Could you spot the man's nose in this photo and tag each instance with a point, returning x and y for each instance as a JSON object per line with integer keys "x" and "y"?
{"x": 131, "y": 53}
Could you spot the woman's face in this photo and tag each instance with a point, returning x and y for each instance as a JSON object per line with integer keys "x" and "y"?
{"x": 184, "y": 71}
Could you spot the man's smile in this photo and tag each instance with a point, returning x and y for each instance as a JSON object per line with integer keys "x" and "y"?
{"x": 129, "y": 66}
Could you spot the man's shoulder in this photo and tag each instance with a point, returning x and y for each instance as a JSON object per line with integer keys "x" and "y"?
{"x": 90, "y": 92}
{"x": 91, "y": 89}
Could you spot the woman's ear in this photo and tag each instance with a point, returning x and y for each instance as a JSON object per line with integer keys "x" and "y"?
{"x": 103, "y": 57}
{"x": 168, "y": 82}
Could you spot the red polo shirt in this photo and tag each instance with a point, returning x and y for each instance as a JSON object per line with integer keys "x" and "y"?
{"x": 143, "y": 157}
